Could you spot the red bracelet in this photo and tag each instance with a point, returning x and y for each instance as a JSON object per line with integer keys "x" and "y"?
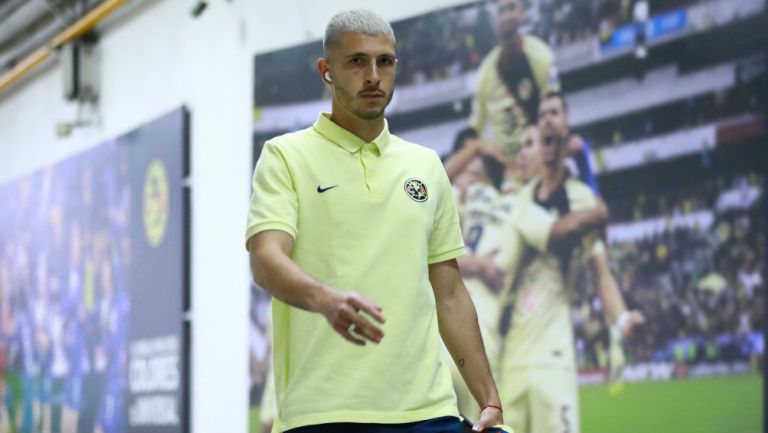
{"x": 493, "y": 406}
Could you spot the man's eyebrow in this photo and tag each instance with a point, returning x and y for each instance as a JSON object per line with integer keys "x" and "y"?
{"x": 362, "y": 54}
{"x": 358, "y": 54}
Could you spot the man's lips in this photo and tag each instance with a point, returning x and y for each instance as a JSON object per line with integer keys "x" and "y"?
{"x": 372, "y": 95}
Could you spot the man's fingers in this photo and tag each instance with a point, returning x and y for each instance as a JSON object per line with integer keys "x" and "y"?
{"x": 374, "y": 312}
{"x": 349, "y": 313}
{"x": 348, "y": 336}
{"x": 352, "y": 339}
{"x": 493, "y": 275}
{"x": 488, "y": 418}
{"x": 364, "y": 328}
{"x": 497, "y": 280}
{"x": 370, "y": 307}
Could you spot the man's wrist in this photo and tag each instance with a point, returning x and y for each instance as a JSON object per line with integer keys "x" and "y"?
{"x": 323, "y": 298}
{"x": 622, "y": 320}
{"x": 492, "y": 406}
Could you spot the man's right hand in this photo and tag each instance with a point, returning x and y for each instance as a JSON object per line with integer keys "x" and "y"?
{"x": 342, "y": 310}
{"x": 274, "y": 270}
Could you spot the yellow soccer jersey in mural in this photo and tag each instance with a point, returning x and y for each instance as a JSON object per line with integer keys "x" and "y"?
{"x": 506, "y": 99}
{"x": 492, "y": 223}
{"x": 540, "y": 332}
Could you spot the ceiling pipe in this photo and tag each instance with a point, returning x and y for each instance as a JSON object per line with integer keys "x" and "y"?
{"x": 28, "y": 45}
{"x": 76, "y": 30}
{"x": 8, "y": 8}
{"x": 16, "y": 22}
{"x": 57, "y": 11}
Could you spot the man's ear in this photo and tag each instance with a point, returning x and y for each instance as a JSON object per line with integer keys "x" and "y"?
{"x": 324, "y": 69}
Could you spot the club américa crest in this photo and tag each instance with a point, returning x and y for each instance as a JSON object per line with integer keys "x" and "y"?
{"x": 156, "y": 202}
{"x": 416, "y": 189}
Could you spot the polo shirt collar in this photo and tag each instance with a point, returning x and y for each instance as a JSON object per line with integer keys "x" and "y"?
{"x": 347, "y": 140}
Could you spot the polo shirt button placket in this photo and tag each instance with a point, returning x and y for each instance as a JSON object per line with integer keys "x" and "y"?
{"x": 370, "y": 162}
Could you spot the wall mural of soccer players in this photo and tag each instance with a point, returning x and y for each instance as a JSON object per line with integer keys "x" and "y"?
{"x": 607, "y": 162}
{"x": 92, "y": 276}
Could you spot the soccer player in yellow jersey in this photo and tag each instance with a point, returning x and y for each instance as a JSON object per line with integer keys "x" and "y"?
{"x": 511, "y": 81}
{"x": 538, "y": 372}
{"x": 350, "y": 224}
{"x": 496, "y": 232}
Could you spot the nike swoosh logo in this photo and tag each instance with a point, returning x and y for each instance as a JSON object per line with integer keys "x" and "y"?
{"x": 321, "y": 190}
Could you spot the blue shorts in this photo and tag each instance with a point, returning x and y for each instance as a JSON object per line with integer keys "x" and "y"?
{"x": 446, "y": 424}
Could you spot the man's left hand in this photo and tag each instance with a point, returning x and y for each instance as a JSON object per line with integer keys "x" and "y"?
{"x": 489, "y": 417}
{"x": 633, "y": 320}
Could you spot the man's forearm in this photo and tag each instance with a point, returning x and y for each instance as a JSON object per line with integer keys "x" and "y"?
{"x": 461, "y": 333}
{"x": 611, "y": 298}
{"x": 575, "y": 224}
{"x": 275, "y": 272}
{"x": 608, "y": 289}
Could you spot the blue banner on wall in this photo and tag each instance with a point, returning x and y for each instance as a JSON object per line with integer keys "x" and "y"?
{"x": 93, "y": 265}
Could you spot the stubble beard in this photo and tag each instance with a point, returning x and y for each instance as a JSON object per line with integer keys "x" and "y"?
{"x": 346, "y": 99}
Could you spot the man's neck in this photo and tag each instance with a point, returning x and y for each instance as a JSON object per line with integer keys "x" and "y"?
{"x": 551, "y": 179}
{"x": 367, "y": 130}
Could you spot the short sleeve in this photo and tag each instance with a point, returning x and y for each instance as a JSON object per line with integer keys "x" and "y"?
{"x": 274, "y": 204}
{"x": 534, "y": 223}
{"x": 445, "y": 241}
{"x": 460, "y": 207}
{"x": 543, "y": 64}
{"x": 478, "y": 116}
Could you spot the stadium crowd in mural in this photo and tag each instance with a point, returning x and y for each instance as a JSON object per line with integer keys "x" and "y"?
{"x": 64, "y": 269}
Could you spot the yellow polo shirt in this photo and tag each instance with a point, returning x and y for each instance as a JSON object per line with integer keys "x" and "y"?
{"x": 370, "y": 218}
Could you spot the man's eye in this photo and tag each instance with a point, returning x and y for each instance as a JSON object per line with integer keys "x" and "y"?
{"x": 386, "y": 61}
{"x": 356, "y": 60}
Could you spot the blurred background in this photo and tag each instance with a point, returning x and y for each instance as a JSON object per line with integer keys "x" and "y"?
{"x": 128, "y": 133}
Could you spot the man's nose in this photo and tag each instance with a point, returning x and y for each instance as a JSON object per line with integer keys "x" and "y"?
{"x": 372, "y": 73}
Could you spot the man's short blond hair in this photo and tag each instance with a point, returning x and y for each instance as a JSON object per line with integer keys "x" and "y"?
{"x": 355, "y": 21}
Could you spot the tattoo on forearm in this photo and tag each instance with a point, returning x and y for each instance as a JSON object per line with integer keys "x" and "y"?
{"x": 460, "y": 363}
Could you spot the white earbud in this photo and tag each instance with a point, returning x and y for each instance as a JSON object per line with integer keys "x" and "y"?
{"x": 328, "y": 76}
